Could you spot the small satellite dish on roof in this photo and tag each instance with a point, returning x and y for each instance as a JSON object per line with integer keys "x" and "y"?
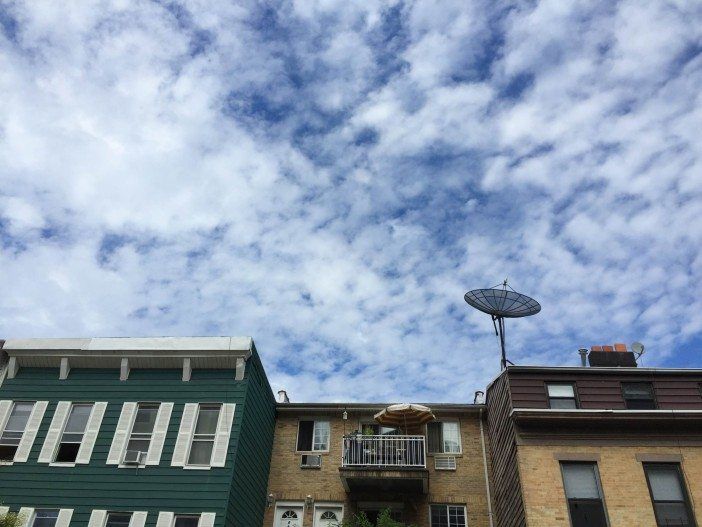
{"x": 500, "y": 303}
{"x": 637, "y": 348}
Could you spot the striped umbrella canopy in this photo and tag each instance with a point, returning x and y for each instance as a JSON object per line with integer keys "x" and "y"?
{"x": 404, "y": 415}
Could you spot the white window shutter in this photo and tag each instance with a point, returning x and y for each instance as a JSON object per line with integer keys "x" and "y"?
{"x": 185, "y": 434}
{"x": 153, "y": 457}
{"x": 221, "y": 442}
{"x": 207, "y": 519}
{"x": 5, "y": 408}
{"x": 124, "y": 428}
{"x": 26, "y": 514}
{"x": 30, "y": 433}
{"x": 64, "y": 518}
{"x": 91, "y": 433}
{"x": 138, "y": 519}
{"x": 165, "y": 519}
{"x": 97, "y": 518}
{"x": 53, "y": 435}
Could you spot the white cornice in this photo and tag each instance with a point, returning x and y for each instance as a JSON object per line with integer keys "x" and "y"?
{"x": 148, "y": 352}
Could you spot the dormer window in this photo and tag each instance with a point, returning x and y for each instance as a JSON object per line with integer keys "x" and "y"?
{"x": 638, "y": 395}
{"x": 561, "y": 396}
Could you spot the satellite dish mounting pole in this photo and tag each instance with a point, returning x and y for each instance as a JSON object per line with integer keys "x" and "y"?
{"x": 499, "y": 323}
{"x": 500, "y": 303}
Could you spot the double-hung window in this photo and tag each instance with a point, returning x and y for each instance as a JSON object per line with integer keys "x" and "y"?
{"x": 14, "y": 429}
{"x": 118, "y": 519}
{"x": 448, "y": 516}
{"x": 561, "y": 395}
{"x": 313, "y": 436}
{"x": 186, "y": 520}
{"x": 45, "y": 518}
{"x": 638, "y": 395}
{"x": 73, "y": 432}
{"x": 443, "y": 437}
{"x": 670, "y": 500}
{"x": 143, "y": 427}
{"x": 584, "y": 495}
{"x": 204, "y": 434}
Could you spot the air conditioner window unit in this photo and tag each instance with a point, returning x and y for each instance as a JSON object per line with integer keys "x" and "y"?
{"x": 133, "y": 457}
{"x": 445, "y": 463}
{"x": 310, "y": 461}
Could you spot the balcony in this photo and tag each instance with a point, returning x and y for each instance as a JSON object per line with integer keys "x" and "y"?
{"x": 387, "y": 463}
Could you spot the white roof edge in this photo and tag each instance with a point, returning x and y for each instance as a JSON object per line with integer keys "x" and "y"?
{"x": 240, "y": 344}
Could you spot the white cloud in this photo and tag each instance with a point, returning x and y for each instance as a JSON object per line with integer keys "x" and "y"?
{"x": 329, "y": 178}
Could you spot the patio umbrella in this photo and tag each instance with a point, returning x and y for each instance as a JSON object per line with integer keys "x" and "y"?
{"x": 405, "y": 415}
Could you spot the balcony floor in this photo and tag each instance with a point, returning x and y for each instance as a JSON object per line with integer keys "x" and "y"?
{"x": 411, "y": 480}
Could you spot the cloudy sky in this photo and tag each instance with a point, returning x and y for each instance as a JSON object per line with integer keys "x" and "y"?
{"x": 330, "y": 177}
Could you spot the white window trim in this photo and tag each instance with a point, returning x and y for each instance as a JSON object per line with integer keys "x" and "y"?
{"x": 297, "y": 436}
{"x": 29, "y": 434}
{"x": 460, "y": 439}
{"x": 465, "y": 511}
{"x": 327, "y": 505}
{"x": 187, "y": 464}
{"x": 129, "y": 436}
{"x": 63, "y": 430}
{"x": 289, "y": 505}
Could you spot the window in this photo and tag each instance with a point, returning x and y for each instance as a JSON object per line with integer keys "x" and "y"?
{"x": 638, "y": 395}
{"x": 313, "y": 436}
{"x": 584, "y": 495}
{"x": 118, "y": 519}
{"x": 73, "y": 433}
{"x": 448, "y": 516}
{"x": 143, "y": 428}
{"x": 186, "y": 521}
{"x": 45, "y": 517}
{"x": 561, "y": 396}
{"x": 204, "y": 436}
{"x": 670, "y": 501}
{"x": 444, "y": 437}
{"x": 14, "y": 429}
{"x": 378, "y": 430}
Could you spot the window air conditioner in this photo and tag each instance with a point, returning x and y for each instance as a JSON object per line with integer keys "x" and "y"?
{"x": 133, "y": 457}
{"x": 445, "y": 463}
{"x": 310, "y": 461}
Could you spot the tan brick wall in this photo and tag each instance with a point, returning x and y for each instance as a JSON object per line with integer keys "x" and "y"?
{"x": 288, "y": 482}
{"x": 626, "y": 494}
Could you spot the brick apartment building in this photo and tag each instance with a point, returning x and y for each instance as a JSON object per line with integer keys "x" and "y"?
{"x": 610, "y": 445}
{"x": 333, "y": 460}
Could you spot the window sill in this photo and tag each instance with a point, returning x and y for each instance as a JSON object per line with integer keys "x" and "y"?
{"x": 313, "y": 452}
{"x": 7, "y": 463}
{"x": 131, "y": 466}
{"x": 59, "y": 464}
{"x": 444, "y": 454}
{"x": 196, "y": 467}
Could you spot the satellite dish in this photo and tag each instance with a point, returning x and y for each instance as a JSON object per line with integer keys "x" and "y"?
{"x": 500, "y": 303}
{"x": 637, "y": 348}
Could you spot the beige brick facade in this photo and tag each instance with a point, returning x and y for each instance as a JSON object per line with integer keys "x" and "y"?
{"x": 624, "y": 486}
{"x": 290, "y": 483}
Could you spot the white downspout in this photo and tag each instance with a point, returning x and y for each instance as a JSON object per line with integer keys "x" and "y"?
{"x": 485, "y": 468}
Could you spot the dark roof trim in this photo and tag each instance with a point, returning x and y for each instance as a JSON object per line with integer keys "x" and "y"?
{"x": 604, "y": 370}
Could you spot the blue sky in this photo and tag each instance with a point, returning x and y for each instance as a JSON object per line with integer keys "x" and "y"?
{"x": 330, "y": 177}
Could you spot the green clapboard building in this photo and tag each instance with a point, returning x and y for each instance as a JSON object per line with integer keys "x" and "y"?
{"x": 135, "y": 432}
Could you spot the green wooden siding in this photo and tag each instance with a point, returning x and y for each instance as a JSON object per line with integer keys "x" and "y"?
{"x": 253, "y": 457}
{"x": 100, "y": 486}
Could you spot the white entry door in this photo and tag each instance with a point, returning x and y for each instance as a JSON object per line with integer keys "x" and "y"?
{"x": 288, "y": 516}
{"x": 328, "y": 516}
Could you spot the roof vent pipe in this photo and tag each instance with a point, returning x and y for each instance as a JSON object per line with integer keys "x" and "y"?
{"x": 583, "y": 357}
{"x": 283, "y": 397}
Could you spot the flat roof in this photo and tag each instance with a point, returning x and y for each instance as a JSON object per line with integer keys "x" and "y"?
{"x": 374, "y": 407}
{"x": 129, "y": 344}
